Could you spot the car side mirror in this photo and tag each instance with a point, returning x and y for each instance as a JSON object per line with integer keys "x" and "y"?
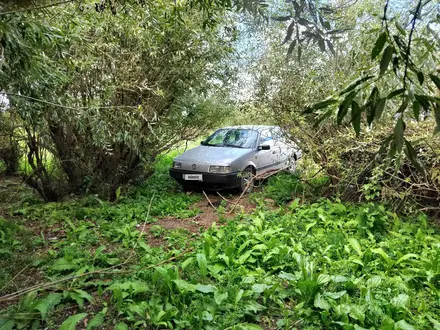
{"x": 264, "y": 147}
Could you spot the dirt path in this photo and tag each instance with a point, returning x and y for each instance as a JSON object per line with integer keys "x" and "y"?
{"x": 218, "y": 212}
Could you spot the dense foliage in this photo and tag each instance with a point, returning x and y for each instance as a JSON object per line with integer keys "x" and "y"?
{"x": 313, "y": 98}
{"x": 325, "y": 265}
{"x": 102, "y": 95}
{"x": 94, "y": 98}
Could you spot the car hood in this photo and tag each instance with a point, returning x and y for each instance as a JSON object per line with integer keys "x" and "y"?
{"x": 212, "y": 155}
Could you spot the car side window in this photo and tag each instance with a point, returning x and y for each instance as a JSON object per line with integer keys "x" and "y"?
{"x": 266, "y": 137}
{"x": 277, "y": 134}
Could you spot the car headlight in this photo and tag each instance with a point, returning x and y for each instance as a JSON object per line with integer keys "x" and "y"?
{"x": 177, "y": 165}
{"x": 220, "y": 169}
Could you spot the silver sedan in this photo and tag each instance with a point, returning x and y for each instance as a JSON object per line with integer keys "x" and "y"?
{"x": 232, "y": 156}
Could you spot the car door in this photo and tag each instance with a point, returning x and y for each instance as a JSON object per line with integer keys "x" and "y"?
{"x": 283, "y": 152}
{"x": 267, "y": 159}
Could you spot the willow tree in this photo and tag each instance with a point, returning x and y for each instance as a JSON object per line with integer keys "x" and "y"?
{"x": 103, "y": 93}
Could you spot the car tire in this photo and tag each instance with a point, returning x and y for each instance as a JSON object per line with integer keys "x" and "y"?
{"x": 247, "y": 180}
{"x": 291, "y": 165}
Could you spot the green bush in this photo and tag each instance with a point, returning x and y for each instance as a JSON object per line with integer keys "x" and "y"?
{"x": 326, "y": 265}
{"x": 283, "y": 187}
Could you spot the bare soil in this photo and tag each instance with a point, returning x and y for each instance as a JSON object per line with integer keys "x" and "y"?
{"x": 214, "y": 208}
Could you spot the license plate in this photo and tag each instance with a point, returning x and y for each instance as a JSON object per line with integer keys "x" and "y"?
{"x": 193, "y": 177}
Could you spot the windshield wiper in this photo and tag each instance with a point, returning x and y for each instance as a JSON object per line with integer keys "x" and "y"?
{"x": 209, "y": 144}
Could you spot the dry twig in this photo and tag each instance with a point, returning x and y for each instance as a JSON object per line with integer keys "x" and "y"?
{"x": 222, "y": 197}
{"x": 19, "y": 293}
{"x": 209, "y": 200}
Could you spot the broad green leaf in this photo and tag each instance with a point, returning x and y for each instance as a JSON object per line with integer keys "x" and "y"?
{"x": 420, "y": 77}
{"x": 6, "y": 324}
{"x": 321, "y": 44}
{"x": 378, "y": 46}
{"x": 253, "y": 306}
{"x": 282, "y": 18}
{"x": 323, "y": 278}
{"x": 437, "y": 116}
{"x": 423, "y": 100}
{"x": 403, "y": 325}
{"x": 217, "y": 268}
{"x": 335, "y": 295}
{"x": 380, "y": 105}
{"x": 434, "y": 322}
{"x": 207, "y": 316}
{"x": 416, "y": 110}
{"x": 356, "y": 117}
{"x": 412, "y": 156}
{"x": 187, "y": 262}
{"x": 291, "y": 48}
{"x": 259, "y": 288}
{"x": 184, "y": 286}
{"x": 219, "y": 298}
{"x": 404, "y": 104}
{"x": 287, "y": 276}
{"x": 398, "y": 134}
{"x": 48, "y": 303}
{"x": 386, "y": 58}
{"x": 356, "y": 246}
{"x": 435, "y": 79}
{"x": 289, "y": 32}
{"x": 324, "y": 104}
{"x": 400, "y": 301}
{"x": 321, "y": 302}
{"x": 239, "y": 296}
{"x": 203, "y": 263}
{"x": 323, "y": 117}
{"x": 97, "y": 320}
{"x": 357, "y": 312}
{"x": 71, "y": 322}
{"x": 244, "y": 257}
{"x": 249, "y": 326}
{"x": 84, "y": 294}
{"x": 121, "y": 326}
{"x": 357, "y": 261}
{"x": 304, "y": 21}
{"x": 310, "y": 225}
{"x": 343, "y": 107}
{"x": 339, "y": 278}
{"x": 259, "y": 247}
{"x": 371, "y": 104}
{"x": 382, "y": 253}
{"x": 320, "y": 105}
{"x": 395, "y": 93}
{"x": 205, "y": 288}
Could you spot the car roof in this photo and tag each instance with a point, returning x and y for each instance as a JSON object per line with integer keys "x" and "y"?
{"x": 254, "y": 127}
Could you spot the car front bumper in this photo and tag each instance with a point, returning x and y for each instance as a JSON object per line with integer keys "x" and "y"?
{"x": 211, "y": 181}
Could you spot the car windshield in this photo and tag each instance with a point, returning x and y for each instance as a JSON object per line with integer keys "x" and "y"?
{"x": 233, "y": 137}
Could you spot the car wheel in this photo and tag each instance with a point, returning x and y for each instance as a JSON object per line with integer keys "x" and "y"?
{"x": 247, "y": 180}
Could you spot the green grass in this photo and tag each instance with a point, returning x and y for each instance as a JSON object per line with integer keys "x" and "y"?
{"x": 285, "y": 187}
{"x": 325, "y": 265}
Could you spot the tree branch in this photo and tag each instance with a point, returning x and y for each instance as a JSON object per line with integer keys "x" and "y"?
{"x": 36, "y": 8}
{"x": 408, "y": 48}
